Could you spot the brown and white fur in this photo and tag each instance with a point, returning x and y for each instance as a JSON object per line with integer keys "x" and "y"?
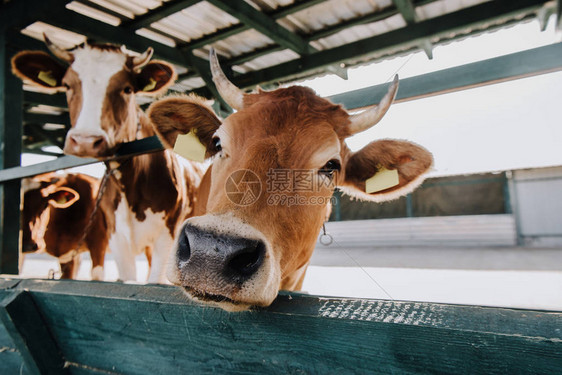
{"x": 58, "y": 218}
{"x": 240, "y": 255}
{"x": 148, "y": 196}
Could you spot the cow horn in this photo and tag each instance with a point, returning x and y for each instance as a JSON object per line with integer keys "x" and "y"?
{"x": 231, "y": 94}
{"x": 370, "y": 117}
{"x": 140, "y": 61}
{"x": 59, "y": 52}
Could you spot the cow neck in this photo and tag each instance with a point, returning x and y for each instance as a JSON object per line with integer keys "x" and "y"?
{"x": 137, "y": 164}
{"x": 142, "y": 179}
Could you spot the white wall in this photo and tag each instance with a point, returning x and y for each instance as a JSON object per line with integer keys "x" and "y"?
{"x": 537, "y": 202}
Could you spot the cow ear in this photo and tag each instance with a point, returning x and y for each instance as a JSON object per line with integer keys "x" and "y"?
{"x": 63, "y": 197}
{"x": 39, "y": 68}
{"x": 177, "y": 115}
{"x": 385, "y": 170}
{"x": 155, "y": 78}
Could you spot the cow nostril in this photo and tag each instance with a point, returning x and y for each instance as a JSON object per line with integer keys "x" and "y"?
{"x": 184, "y": 249}
{"x": 98, "y": 143}
{"x": 246, "y": 261}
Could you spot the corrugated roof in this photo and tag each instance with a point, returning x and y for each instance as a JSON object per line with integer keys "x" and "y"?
{"x": 322, "y": 25}
{"x": 271, "y": 41}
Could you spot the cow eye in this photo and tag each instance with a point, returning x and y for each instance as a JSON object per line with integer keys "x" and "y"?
{"x": 216, "y": 144}
{"x": 330, "y": 167}
{"x": 128, "y": 90}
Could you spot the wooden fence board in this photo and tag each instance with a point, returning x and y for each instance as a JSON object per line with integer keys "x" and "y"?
{"x": 29, "y": 334}
{"x": 136, "y": 329}
{"x": 10, "y": 359}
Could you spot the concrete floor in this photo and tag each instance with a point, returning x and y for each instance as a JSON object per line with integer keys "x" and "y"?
{"x": 510, "y": 277}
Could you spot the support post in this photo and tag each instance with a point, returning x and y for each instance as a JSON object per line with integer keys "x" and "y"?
{"x": 11, "y": 101}
{"x": 336, "y": 208}
{"x": 514, "y": 206}
{"x": 409, "y": 205}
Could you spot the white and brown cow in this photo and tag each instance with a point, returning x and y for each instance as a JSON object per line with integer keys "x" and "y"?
{"x": 58, "y": 218}
{"x": 148, "y": 196}
{"x": 248, "y": 246}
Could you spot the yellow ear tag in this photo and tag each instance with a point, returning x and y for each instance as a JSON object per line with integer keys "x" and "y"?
{"x": 382, "y": 180}
{"x": 151, "y": 85}
{"x": 48, "y": 78}
{"x": 189, "y": 146}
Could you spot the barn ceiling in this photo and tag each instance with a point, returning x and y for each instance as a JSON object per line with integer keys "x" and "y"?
{"x": 265, "y": 42}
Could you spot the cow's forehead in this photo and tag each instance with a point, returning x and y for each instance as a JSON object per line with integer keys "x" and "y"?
{"x": 287, "y": 110}
{"x": 299, "y": 142}
{"x": 97, "y": 65}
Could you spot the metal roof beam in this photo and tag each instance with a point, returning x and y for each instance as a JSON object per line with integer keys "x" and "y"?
{"x": 55, "y": 100}
{"x": 406, "y": 8}
{"x": 235, "y": 29}
{"x": 53, "y": 137}
{"x": 263, "y": 24}
{"x": 408, "y": 11}
{"x": 103, "y": 32}
{"x": 518, "y": 65}
{"x": 410, "y": 35}
{"x": 40, "y": 118}
{"x": 157, "y": 14}
{"x": 91, "y": 4}
{"x": 541, "y": 60}
{"x": 24, "y": 12}
{"x": 237, "y": 60}
{"x": 241, "y": 59}
{"x": 295, "y": 7}
{"x": 216, "y": 36}
{"x": 290, "y": 9}
{"x": 201, "y": 66}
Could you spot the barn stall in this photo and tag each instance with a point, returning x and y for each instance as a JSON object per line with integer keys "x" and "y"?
{"x": 87, "y": 327}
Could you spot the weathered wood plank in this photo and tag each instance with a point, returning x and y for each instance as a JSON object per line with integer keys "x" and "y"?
{"x": 30, "y": 336}
{"x": 10, "y": 359}
{"x": 153, "y": 329}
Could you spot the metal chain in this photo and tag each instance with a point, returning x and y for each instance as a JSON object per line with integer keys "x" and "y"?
{"x": 107, "y": 174}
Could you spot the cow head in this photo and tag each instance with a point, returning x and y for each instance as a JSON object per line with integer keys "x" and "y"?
{"x": 276, "y": 162}
{"x": 39, "y": 194}
{"x": 100, "y": 81}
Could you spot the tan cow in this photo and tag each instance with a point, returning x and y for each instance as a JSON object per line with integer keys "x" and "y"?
{"x": 58, "y": 219}
{"x": 148, "y": 196}
{"x": 261, "y": 225}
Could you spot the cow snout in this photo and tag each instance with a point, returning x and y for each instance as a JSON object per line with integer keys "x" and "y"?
{"x": 223, "y": 257}
{"x": 86, "y": 145}
{"x": 223, "y": 261}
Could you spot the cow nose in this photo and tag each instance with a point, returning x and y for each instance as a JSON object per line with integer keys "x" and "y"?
{"x": 226, "y": 256}
{"x": 86, "y": 145}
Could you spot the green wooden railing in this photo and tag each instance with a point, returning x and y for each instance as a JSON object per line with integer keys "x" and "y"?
{"x": 111, "y": 328}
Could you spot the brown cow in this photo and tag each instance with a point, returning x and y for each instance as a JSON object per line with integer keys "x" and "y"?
{"x": 57, "y": 210}
{"x": 261, "y": 224}
{"x": 147, "y": 197}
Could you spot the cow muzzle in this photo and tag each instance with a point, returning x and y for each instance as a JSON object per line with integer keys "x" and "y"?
{"x": 86, "y": 145}
{"x": 226, "y": 265}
